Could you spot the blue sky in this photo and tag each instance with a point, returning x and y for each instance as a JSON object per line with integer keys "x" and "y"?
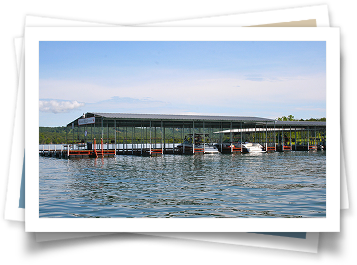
{"x": 263, "y": 79}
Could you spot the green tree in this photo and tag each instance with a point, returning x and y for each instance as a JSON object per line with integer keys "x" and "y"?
{"x": 291, "y": 118}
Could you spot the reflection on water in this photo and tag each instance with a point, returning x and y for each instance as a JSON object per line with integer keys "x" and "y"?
{"x": 291, "y": 184}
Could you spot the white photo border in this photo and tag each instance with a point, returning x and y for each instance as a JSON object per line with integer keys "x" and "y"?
{"x": 331, "y": 223}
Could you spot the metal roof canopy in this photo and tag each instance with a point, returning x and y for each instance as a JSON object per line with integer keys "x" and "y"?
{"x": 166, "y": 120}
{"x": 261, "y": 129}
{"x": 300, "y": 123}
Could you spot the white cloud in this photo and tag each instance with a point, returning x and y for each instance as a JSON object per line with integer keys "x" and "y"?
{"x": 56, "y": 106}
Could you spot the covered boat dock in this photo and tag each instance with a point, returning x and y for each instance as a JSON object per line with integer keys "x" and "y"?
{"x": 108, "y": 134}
{"x": 286, "y": 135}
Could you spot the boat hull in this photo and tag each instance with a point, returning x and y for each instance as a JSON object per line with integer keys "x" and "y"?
{"x": 187, "y": 148}
{"x": 253, "y": 148}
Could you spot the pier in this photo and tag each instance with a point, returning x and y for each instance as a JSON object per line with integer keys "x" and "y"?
{"x": 109, "y": 134}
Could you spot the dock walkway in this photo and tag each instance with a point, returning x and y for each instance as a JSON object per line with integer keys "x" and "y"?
{"x": 67, "y": 153}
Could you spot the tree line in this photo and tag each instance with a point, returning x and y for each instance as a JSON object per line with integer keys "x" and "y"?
{"x": 64, "y": 135}
{"x": 292, "y": 118}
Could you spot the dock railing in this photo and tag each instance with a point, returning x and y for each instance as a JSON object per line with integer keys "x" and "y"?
{"x": 287, "y": 148}
{"x": 156, "y": 151}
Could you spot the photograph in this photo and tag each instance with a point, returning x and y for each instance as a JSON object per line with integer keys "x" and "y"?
{"x": 187, "y": 129}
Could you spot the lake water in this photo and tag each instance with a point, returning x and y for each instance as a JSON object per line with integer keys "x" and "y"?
{"x": 290, "y": 184}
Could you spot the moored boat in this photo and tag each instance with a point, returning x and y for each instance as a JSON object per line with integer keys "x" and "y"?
{"x": 253, "y": 148}
{"x": 200, "y": 146}
{"x": 246, "y": 147}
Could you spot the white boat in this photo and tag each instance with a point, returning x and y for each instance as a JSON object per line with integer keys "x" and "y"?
{"x": 199, "y": 146}
{"x": 246, "y": 147}
{"x": 209, "y": 149}
{"x": 253, "y": 148}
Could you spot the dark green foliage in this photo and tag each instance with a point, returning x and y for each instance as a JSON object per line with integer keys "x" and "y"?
{"x": 63, "y": 135}
{"x": 292, "y": 118}
{"x": 52, "y": 135}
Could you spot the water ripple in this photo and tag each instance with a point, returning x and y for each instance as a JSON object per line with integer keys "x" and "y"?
{"x": 284, "y": 185}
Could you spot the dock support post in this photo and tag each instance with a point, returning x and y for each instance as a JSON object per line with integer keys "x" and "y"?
{"x": 193, "y": 137}
{"x": 155, "y": 137}
{"x": 132, "y": 138}
{"x": 101, "y": 144}
{"x": 308, "y": 138}
{"x": 102, "y": 130}
{"x": 146, "y": 137}
{"x": 73, "y": 134}
{"x": 291, "y": 144}
{"x": 67, "y": 135}
{"x": 150, "y": 138}
{"x": 95, "y": 148}
{"x": 162, "y": 138}
{"x": 141, "y": 145}
{"x": 274, "y": 137}
{"x": 315, "y": 144}
{"x": 220, "y": 137}
{"x": 183, "y": 135}
{"x": 115, "y": 137}
{"x": 266, "y": 136}
{"x": 78, "y": 138}
{"x": 126, "y": 140}
{"x": 173, "y": 138}
{"x": 230, "y": 137}
{"x": 204, "y": 138}
{"x": 241, "y": 137}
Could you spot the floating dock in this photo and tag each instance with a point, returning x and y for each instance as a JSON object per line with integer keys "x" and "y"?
{"x": 157, "y": 134}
